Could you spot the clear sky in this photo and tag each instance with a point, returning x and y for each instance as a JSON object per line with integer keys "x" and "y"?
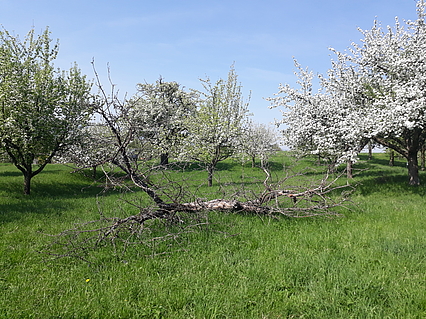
{"x": 184, "y": 40}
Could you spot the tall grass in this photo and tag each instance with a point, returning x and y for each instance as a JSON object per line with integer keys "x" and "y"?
{"x": 369, "y": 263}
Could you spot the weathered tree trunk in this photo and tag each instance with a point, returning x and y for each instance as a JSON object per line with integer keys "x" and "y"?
{"x": 413, "y": 168}
{"x": 423, "y": 157}
{"x": 27, "y": 183}
{"x": 210, "y": 170}
{"x": 253, "y": 161}
{"x": 349, "y": 169}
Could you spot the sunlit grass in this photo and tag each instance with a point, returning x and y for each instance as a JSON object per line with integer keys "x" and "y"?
{"x": 369, "y": 263}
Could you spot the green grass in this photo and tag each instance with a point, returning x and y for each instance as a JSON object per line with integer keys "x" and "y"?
{"x": 369, "y": 263}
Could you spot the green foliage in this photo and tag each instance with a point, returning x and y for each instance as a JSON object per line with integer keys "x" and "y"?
{"x": 369, "y": 263}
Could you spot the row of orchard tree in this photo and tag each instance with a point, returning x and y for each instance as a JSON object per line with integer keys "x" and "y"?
{"x": 47, "y": 113}
{"x": 375, "y": 91}
{"x": 162, "y": 120}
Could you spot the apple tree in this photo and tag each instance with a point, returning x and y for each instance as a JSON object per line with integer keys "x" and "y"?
{"x": 41, "y": 108}
{"x": 374, "y": 91}
{"x": 215, "y": 129}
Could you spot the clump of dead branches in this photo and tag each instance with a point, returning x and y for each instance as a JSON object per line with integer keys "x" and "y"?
{"x": 155, "y": 228}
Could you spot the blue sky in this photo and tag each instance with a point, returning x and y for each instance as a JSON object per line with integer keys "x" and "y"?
{"x": 184, "y": 40}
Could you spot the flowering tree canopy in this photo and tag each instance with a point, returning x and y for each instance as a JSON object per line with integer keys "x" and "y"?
{"x": 96, "y": 147}
{"x": 42, "y": 108}
{"x": 376, "y": 90}
{"x": 160, "y": 111}
{"x": 215, "y": 128}
{"x": 259, "y": 140}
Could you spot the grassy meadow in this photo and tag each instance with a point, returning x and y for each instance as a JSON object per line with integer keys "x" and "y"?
{"x": 368, "y": 263}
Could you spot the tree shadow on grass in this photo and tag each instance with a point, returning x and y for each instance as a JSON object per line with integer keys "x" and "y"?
{"x": 53, "y": 192}
{"x": 389, "y": 182}
{"x": 14, "y": 211}
{"x": 390, "y": 185}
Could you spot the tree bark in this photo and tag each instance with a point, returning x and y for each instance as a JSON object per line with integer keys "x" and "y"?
{"x": 210, "y": 170}
{"x": 27, "y": 183}
{"x": 349, "y": 169}
{"x": 423, "y": 157}
{"x": 413, "y": 168}
{"x": 392, "y": 158}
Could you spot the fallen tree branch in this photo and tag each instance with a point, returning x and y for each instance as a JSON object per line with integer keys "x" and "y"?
{"x": 174, "y": 210}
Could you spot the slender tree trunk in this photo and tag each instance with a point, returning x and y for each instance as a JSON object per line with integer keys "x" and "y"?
{"x": 349, "y": 169}
{"x": 253, "y": 161}
{"x": 370, "y": 151}
{"x": 413, "y": 168}
{"x": 210, "y": 170}
{"x": 27, "y": 183}
{"x": 392, "y": 158}
{"x": 423, "y": 157}
{"x": 94, "y": 171}
{"x": 164, "y": 159}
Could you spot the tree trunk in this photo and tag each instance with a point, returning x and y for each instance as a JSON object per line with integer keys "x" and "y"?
{"x": 392, "y": 158}
{"x": 423, "y": 157}
{"x": 349, "y": 169}
{"x": 210, "y": 170}
{"x": 164, "y": 159}
{"x": 253, "y": 161}
{"x": 27, "y": 183}
{"x": 413, "y": 168}
{"x": 370, "y": 151}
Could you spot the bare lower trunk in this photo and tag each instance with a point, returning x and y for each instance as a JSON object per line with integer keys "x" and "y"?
{"x": 349, "y": 169}
{"x": 210, "y": 170}
{"x": 27, "y": 183}
{"x": 370, "y": 151}
{"x": 413, "y": 169}
{"x": 423, "y": 157}
{"x": 392, "y": 158}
